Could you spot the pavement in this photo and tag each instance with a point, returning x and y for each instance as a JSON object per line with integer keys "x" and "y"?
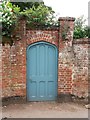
{"x": 44, "y": 110}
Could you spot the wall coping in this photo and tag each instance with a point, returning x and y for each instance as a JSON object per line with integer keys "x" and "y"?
{"x": 66, "y": 19}
{"x": 81, "y": 41}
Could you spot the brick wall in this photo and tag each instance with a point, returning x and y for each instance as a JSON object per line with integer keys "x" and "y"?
{"x": 72, "y": 60}
{"x": 14, "y": 60}
{"x": 80, "y": 68}
{"x": 65, "y": 56}
{"x": 0, "y": 69}
{"x": 14, "y": 70}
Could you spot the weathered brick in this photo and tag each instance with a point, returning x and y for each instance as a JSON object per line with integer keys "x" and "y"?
{"x": 72, "y": 60}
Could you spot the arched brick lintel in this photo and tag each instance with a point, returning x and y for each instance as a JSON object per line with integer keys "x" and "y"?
{"x": 42, "y": 37}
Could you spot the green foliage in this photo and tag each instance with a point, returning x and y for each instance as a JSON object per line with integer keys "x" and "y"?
{"x": 8, "y": 17}
{"x": 39, "y": 16}
{"x": 26, "y": 5}
{"x": 80, "y": 29}
{"x": 79, "y": 33}
{"x": 87, "y": 31}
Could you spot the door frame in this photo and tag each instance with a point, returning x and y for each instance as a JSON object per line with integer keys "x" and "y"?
{"x": 27, "y": 49}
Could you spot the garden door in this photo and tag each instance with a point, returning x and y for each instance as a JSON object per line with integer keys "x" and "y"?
{"x": 41, "y": 72}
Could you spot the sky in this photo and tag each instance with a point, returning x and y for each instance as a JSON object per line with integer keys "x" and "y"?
{"x": 69, "y": 8}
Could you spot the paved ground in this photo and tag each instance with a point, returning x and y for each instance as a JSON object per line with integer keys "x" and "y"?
{"x": 45, "y": 110}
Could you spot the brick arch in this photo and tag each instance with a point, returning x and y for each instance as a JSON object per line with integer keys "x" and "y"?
{"x": 41, "y": 37}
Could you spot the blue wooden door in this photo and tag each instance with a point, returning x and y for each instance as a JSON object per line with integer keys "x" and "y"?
{"x": 41, "y": 72}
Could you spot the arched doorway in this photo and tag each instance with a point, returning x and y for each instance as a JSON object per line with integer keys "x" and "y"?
{"x": 42, "y": 71}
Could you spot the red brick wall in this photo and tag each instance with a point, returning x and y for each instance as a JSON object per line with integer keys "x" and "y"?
{"x": 50, "y": 36}
{"x": 14, "y": 70}
{"x": 14, "y": 61}
{"x": 65, "y": 56}
{"x": 72, "y": 61}
{"x": 0, "y": 69}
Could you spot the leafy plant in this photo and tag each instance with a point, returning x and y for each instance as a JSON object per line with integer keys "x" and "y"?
{"x": 26, "y": 5}
{"x": 87, "y": 31}
{"x": 8, "y": 17}
{"x": 81, "y": 30}
{"x": 40, "y": 16}
{"x": 37, "y": 15}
